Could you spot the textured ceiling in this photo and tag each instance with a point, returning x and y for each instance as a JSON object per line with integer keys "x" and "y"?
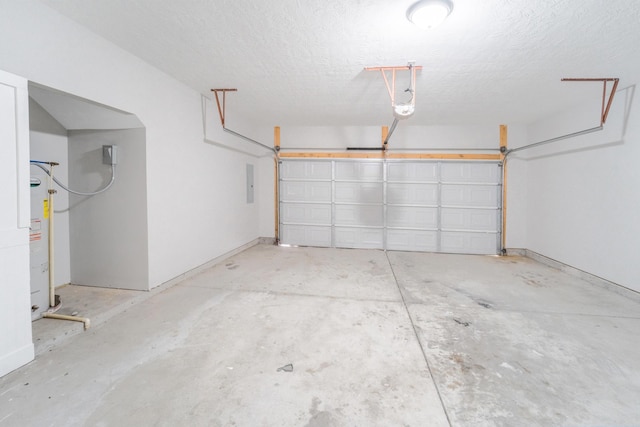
{"x": 300, "y": 62}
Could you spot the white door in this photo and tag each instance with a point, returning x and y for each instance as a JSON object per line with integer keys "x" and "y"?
{"x": 16, "y": 347}
{"x": 408, "y": 205}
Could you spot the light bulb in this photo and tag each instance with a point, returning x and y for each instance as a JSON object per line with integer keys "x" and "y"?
{"x": 428, "y": 14}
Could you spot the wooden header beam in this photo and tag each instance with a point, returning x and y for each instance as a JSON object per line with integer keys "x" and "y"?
{"x": 387, "y": 155}
{"x": 396, "y": 67}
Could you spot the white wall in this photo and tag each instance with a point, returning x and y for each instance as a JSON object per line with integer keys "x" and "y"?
{"x": 196, "y": 201}
{"x": 517, "y": 190}
{"x": 405, "y": 137}
{"x": 49, "y": 142}
{"x": 16, "y": 347}
{"x": 583, "y": 199}
{"x": 108, "y": 230}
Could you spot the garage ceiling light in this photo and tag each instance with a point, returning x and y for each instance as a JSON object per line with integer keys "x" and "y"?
{"x": 429, "y": 14}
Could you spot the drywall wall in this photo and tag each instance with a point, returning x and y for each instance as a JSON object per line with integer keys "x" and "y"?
{"x": 404, "y": 137}
{"x": 48, "y": 142}
{"x": 196, "y": 201}
{"x": 266, "y": 195}
{"x": 109, "y": 230}
{"x": 516, "y": 195}
{"x": 16, "y": 347}
{"x": 583, "y": 198}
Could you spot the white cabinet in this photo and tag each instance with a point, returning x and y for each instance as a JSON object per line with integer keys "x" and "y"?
{"x": 16, "y": 346}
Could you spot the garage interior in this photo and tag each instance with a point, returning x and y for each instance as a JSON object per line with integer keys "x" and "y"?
{"x": 320, "y": 214}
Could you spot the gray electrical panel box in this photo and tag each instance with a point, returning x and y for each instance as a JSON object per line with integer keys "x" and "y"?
{"x": 249, "y": 183}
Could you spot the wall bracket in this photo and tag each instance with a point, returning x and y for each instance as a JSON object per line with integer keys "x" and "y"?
{"x": 605, "y": 109}
{"x": 221, "y": 110}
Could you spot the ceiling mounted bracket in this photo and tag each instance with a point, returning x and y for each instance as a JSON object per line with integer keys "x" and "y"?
{"x": 401, "y": 111}
{"x": 604, "y": 112}
{"x": 221, "y": 110}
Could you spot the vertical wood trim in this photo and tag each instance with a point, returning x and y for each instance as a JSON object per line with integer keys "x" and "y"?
{"x": 276, "y": 199}
{"x": 503, "y": 143}
{"x": 503, "y": 137}
{"x": 276, "y": 137}
{"x": 276, "y": 193}
{"x": 385, "y": 132}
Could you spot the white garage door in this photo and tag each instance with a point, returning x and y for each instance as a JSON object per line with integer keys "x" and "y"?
{"x": 433, "y": 206}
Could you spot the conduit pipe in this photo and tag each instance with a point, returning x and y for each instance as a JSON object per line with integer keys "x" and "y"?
{"x": 548, "y": 141}
{"x": 79, "y": 193}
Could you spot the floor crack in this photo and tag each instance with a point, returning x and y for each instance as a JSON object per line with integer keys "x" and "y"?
{"x": 415, "y": 331}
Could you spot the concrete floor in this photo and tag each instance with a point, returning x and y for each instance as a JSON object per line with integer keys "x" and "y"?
{"x": 375, "y": 338}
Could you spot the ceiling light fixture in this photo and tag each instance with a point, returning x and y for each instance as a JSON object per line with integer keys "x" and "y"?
{"x": 428, "y": 14}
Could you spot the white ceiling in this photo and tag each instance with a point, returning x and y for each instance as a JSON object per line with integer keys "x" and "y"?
{"x": 75, "y": 113}
{"x": 300, "y": 62}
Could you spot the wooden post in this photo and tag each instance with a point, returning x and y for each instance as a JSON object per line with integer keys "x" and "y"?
{"x": 385, "y": 132}
{"x": 276, "y": 144}
{"x": 503, "y": 150}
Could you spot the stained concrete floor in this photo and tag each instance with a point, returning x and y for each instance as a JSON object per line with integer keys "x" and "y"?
{"x": 375, "y": 339}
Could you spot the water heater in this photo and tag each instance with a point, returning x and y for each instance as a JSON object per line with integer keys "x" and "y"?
{"x": 39, "y": 243}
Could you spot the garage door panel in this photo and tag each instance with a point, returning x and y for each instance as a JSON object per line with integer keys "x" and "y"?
{"x": 305, "y": 191}
{"x": 359, "y": 237}
{"x": 469, "y": 219}
{"x": 358, "y": 192}
{"x": 412, "y": 194}
{"x": 359, "y": 215}
{"x": 305, "y": 235}
{"x": 413, "y": 205}
{"x": 470, "y": 172}
{"x": 423, "y": 172}
{"x": 302, "y": 213}
{"x": 469, "y": 243}
{"x": 412, "y": 217}
{"x": 359, "y": 171}
{"x": 469, "y": 195}
{"x": 305, "y": 170}
{"x": 412, "y": 240}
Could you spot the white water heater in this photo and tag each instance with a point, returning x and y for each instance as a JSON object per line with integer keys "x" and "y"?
{"x": 39, "y": 243}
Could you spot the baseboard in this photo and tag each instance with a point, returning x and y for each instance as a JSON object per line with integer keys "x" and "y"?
{"x": 576, "y": 272}
{"x": 199, "y": 269}
{"x": 16, "y": 359}
{"x": 267, "y": 240}
{"x": 515, "y": 252}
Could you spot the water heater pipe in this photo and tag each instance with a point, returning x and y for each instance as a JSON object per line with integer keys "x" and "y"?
{"x": 52, "y": 289}
{"x": 85, "y": 320}
{"x": 51, "y": 191}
